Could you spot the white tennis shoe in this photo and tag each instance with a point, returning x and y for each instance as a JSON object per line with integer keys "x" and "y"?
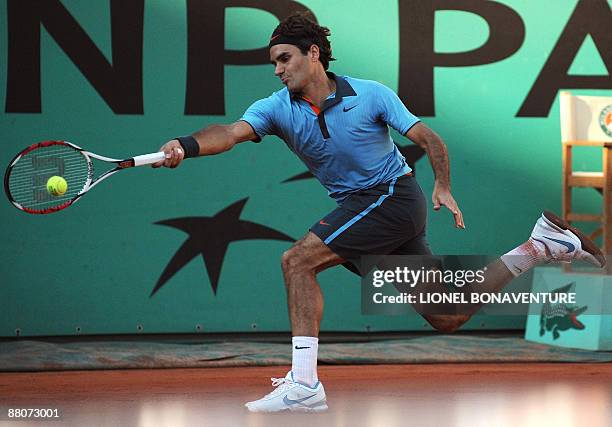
{"x": 290, "y": 395}
{"x": 565, "y": 243}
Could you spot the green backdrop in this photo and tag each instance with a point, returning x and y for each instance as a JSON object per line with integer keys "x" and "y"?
{"x": 91, "y": 269}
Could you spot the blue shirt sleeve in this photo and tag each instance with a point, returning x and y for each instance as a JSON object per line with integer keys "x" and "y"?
{"x": 394, "y": 112}
{"x": 260, "y": 115}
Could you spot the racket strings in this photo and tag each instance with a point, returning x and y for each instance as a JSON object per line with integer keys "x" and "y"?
{"x": 29, "y": 175}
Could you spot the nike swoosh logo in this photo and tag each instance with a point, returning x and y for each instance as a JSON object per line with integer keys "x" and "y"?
{"x": 570, "y": 247}
{"x": 288, "y": 401}
{"x": 300, "y": 348}
{"x": 345, "y": 109}
{"x": 323, "y": 223}
{"x": 518, "y": 269}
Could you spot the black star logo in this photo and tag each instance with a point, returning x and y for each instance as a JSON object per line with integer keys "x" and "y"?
{"x": 411, "y": 152}
{"x": 210, "y": 237}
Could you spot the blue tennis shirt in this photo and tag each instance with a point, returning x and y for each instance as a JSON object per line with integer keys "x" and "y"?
{"x": 347, "y": 146}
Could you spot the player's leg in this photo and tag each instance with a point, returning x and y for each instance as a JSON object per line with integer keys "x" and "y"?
{"x": 300, "y": 265}
{"x": 301, "y": 389}
{"x": 363, "y": 225}
{"x": 552, "y": 239}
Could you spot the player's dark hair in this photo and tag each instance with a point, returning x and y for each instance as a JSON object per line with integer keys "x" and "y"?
{"x": 303, "y": 25}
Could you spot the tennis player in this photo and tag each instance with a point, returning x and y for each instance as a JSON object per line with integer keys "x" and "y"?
{"x": 339, "y": 127}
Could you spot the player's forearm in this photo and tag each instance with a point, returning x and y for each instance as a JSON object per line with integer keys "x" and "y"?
{"x": 214, "y": 139}
{"x": 438, "y": 157}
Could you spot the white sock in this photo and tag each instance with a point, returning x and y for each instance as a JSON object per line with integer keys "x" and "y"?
{"x": 525, "y": 257}
{"x": 304, "y": 365}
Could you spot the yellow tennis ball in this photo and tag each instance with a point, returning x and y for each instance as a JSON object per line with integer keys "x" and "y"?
{"x": 56, "y": 185}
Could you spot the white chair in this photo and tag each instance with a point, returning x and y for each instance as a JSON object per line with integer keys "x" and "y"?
{"x": 587, "y": 121}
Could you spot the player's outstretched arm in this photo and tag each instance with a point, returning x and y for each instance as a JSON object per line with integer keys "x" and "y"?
{"x": 211, "y": 140}
{"x": 436, "y": 150}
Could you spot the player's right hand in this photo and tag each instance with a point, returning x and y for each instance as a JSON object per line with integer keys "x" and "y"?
{"x": 174, "y": 154}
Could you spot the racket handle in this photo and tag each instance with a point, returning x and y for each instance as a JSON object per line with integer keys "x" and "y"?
{"x": 147, "y": 159}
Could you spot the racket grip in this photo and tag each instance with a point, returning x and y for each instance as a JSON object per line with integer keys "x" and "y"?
{"x": 147, "y": 159}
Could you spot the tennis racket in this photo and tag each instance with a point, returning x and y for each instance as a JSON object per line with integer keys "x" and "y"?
{"x": 25, "y": 180}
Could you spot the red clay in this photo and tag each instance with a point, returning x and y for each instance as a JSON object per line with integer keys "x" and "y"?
{"x": 387, "y": 395}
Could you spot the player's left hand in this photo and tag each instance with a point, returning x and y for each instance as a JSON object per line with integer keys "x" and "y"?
{"x": 442, "y": 197}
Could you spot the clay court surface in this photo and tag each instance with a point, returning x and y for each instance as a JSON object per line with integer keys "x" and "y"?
{"x": 358, "y": 395}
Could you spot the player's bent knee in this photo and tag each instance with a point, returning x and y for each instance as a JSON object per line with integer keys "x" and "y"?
{"x": 308, "y": 255}
{"x": 294, "y": 260}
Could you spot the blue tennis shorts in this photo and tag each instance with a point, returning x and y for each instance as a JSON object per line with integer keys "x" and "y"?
{"x": 388, "y": 219}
